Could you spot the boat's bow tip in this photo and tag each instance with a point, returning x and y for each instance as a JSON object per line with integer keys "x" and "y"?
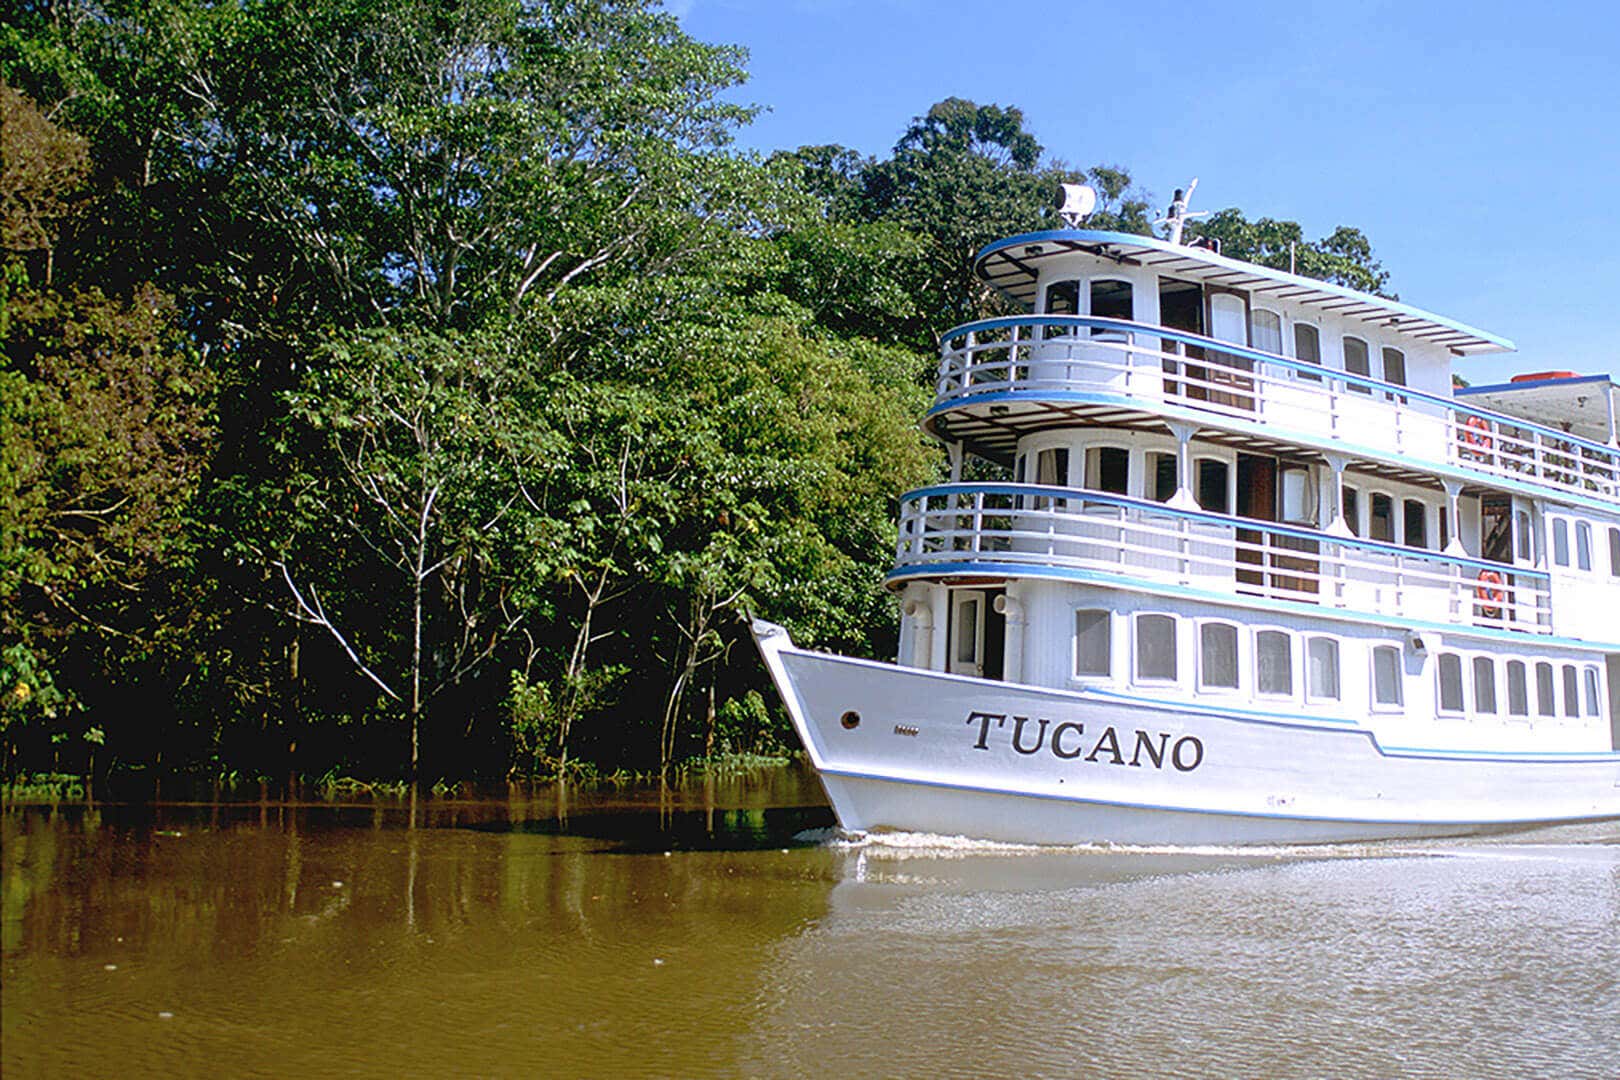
{"x": 764, "y": 631}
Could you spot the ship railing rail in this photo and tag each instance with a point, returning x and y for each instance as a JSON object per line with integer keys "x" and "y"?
{"x": 1074, "y": 353}
{"x": 1037, "y": 527}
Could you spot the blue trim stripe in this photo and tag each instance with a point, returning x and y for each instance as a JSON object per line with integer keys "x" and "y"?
{"x": 980, "y": 568}
{"x": 1099, "y": 236}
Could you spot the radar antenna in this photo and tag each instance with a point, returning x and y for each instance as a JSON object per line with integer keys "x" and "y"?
{"x": 1075, "y": 203}
{"x": 1177, "y": 216}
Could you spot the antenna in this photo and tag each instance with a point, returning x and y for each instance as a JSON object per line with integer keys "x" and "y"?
{"x": 1177, "y": 216}
{"x": 1075, "y": 203}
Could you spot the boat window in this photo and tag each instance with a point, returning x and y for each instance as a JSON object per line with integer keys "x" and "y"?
{"x": 1108, "y": 468}
{"x": 1484, "y": 685}
{"x": 1322, "y": 668}
{"x": 1560, "y": 529}
{"x": 1052, "y": 467}
{"x": 1381, "y": 518}
{"x": 1445, "y": 527}
{"x": 1212, "y": 475}
{"x": 1156, "y": 647}
{"x": 1274, "y": 662}
{"x": 1518, "y": 690}
{"x": 1298, "y": 495}
{"x": 1019, "y": 476}
{"x": 1614, "y": 552}
{"x": 1265, "y": 331}
{"x": 1217, "y": 655}
{"x": 1583, "y": 545}
{"x": 1416, "y": 523}
{"x": 1572, "y": 691}
{"x": 1161, "y": 470}
{"x": 1591, "y": 691}
{"x": 967, "y": 632}
{"x": 1356, "y": 362}
{"x": 1521, "y": 525}
{"x": 1449, "y": 671}
{"x": 1395, "y": 367}
{"x": 1386, "y": 675}
{"x": 1063, "y": 298}
{"x": 1546, "y": 697}
{"x": 1351, "y": 508}
{"x": 1111, "y": 299}
{"x": 1308, "y": 348}
{"x": 1093, "y": 644}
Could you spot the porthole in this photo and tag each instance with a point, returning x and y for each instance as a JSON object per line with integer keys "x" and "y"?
{"x": 851, "y": 720}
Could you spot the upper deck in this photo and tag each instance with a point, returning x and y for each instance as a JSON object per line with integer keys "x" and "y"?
{"x": 1132, "y": 331}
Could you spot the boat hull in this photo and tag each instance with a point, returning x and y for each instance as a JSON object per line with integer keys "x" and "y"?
{"x": 906, "y": 749}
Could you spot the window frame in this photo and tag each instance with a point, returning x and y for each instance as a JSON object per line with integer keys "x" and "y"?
{"x": 1290, "y": 668}
{"x": 1377, "y": 704}
{"x": 1137, "y": 677}
{"x": 1108, "y": 643}
{"x": 1203, "y": 625}
{"x": 1440, "y": 708}
{"x": 1337, "y": 653}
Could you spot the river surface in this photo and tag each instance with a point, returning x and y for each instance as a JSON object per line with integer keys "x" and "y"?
{"x": 722, "y": 929}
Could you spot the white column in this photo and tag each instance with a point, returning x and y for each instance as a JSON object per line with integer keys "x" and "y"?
{"x": 1336, "y": 525}
{"x": 1184, "y": 498}
{"x": 956, "y": 462}
{"x": 1454, "y": 546}
{"x": 917, "y": 609}
{"x": 939, "y": 603}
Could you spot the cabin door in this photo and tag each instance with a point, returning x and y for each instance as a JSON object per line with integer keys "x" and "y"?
{"x": 1181, "y": 307}
{"x": 978, "y": 634}
{"x": 1229, "y": 321}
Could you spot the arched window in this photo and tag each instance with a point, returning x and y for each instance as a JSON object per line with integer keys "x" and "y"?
{"x": 1356, "y": 362}
{"x": 1265, "y": 331}
{"x": 1386, "y": 670}
{"x": 1156, "y": 648}
{"x": 1448, "y": 671}
{"x": 1218, "y": 656}
{"x": 1273, "y": 663}
{"x": 1308, "y": 348}
{"x": 1111, "y": 299}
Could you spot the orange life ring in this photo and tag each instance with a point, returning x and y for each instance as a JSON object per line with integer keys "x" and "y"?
{"x": 1476, "y": 432}
{"x": 1491, "y": 592}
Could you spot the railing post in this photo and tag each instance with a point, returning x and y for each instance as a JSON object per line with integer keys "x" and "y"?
{"x": 978, "y": 521}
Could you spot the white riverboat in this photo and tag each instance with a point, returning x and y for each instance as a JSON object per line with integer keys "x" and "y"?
{"x": 1259, "y": 573}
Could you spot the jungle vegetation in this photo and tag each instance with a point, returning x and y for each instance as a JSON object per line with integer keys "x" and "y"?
{"x": 402, "y": 388}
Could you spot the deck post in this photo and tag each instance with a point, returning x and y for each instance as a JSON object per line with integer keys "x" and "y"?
{"x": 1183, "y": 499}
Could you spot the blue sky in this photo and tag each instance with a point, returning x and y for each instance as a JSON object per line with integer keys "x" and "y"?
{"x": 1477, "y": 145}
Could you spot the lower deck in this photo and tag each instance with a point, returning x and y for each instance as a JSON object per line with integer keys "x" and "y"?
{"x": 1413, "y": 689}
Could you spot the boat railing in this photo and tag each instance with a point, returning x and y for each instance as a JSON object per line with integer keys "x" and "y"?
{"x": 1033, "y": 526}
{"x": 1065, "y": 353}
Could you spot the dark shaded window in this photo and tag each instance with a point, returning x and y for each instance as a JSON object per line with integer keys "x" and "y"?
{"x": 1395, "y": 367}
{"x": 1308, "y": 347}
{"x": 1351, "y": 508}
{"x": 1063, "y": 298}
{"x": 1572, "y": 691}
{"x": 1356, "y": 362}
{"x": 1108, "y": 468}
{"x": 1381, "y": 523}
{"x": 1161, "y": 476}
{"x": 1614, "y": 552}
{"x": 1212, "y": 476}
{"x": 1417, "y": 523}
{"x": 1111, "y": 300}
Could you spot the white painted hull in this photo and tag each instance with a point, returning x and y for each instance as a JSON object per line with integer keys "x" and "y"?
{"x": 946, "y": 754}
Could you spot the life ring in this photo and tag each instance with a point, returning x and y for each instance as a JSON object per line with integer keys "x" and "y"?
{"x": 1491, "y": 593}
{"x": 1476, "y": 432}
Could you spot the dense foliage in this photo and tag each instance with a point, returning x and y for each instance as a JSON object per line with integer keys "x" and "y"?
{"x": 399, "y": 387}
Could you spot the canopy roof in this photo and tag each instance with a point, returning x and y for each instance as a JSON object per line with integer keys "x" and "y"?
{"x": 1583, "y": 405}
{"x": 1012, "y": 266}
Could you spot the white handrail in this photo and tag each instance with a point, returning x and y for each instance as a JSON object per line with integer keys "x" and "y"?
{"x": 1037, "y": 527}
{"x": 1032, "y": 354}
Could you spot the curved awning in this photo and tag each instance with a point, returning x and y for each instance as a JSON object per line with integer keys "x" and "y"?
{"x": 1012, "y": 266}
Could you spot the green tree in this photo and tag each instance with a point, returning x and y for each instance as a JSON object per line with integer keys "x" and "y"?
{"x": 1344, "y": 257}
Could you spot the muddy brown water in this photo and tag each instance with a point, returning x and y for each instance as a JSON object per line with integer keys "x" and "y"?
{"x": 721, "y": 929}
